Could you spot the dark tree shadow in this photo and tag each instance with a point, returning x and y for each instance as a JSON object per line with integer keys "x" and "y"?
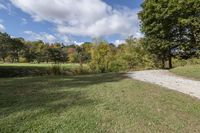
{"x": 50, "y": 93}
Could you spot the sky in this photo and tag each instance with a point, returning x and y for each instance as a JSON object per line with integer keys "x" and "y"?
{"x": 70, "y": 21}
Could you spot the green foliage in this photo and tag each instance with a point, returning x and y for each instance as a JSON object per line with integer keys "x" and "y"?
{"x": 188, "y": 62}
{"x": 128, "y": 56}
{"x": 56, "y": 69}
{"x": 134, "y": 55}
{"x": 174, "y": 24}
{"x": 179, "y": 62}
{"x": 5, "y": 42}
{"x": 16, "y": 49}
{"x": 57, "y": 54}
{"x": 82, "y": 54}
{"x": 102, "y": 56}
{"x": 30, "y": 52}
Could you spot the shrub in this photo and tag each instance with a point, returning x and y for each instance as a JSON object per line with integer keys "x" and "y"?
{"x": 193, "y": 61}
{"x": 81, "y": 71}
{"x": 179, "y": 62}
{"x": 56, "y": 69}
{"x": 182, "y": 62}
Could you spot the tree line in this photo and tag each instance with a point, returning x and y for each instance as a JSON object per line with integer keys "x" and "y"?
{"x": 100, "y": 55}
{"x": 18, "y": 50}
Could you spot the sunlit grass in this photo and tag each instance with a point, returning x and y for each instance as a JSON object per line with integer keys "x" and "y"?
{"x": 94, "y": 103}
{"x": 190, "y": 71}
{"x": 68, "y": 65}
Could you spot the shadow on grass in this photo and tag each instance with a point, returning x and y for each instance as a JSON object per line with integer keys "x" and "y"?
{"x": 52, "y": 94}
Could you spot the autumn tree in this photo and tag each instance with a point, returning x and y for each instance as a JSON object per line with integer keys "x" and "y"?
{"x": 101, "y": 57}
{"x": 57, "y": 54}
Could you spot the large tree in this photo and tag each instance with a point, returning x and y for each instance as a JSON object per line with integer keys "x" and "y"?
{"x": 16, "y": 49}
{"x": 175, "y": 23}
{"x": 101, "y": 57}
{"x": 5, "y": 42}
{"x": 57, "y": 54}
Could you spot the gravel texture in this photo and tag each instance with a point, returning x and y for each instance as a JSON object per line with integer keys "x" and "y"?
{"x": 168, "y": 80}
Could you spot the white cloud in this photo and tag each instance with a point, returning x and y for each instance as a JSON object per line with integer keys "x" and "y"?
{"x": 48, "y": 38}
{"x": 78, "y": 43}
{"x": 2, "y": 28}
{"x": 138, "y": 35}
{"x": 40, "y": 36}
{"x": 64, "y": 38}
{"x": 118, "y": 42}
{"x": 2, "y": 6}
{"x": 93, "y": 18}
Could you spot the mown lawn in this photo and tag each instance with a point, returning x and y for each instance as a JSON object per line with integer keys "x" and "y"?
{"x": 67, "y": 65}
{"x": 192, "y": 71}
{"x": 106, "y": 103}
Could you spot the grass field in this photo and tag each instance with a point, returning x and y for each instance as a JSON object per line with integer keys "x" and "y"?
{"x": 68, "y": 65}
{"x": 107, "y": 103}
{"x": 28, "y": 69}
{"x": 190, "y": 71}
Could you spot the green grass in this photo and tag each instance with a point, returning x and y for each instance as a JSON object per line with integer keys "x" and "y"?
{"x": 107, "y": 103}
{"x": 68, "y": 65}
{"x": 28, "y": 69}
{"x": 190, "y": 71}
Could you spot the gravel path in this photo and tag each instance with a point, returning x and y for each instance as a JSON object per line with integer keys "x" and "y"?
{"x": 166, "y": 79}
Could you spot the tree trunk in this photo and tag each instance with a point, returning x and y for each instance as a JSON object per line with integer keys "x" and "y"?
{"x": 170, "y": 61}
{"x": 3, "y": 59}
{"x": 17, "y": 57}
{"x": 163, "y": 63}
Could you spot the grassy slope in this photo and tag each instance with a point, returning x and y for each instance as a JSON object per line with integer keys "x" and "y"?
{"x": 94, "y": 103}
{"x": 192, "y": 71}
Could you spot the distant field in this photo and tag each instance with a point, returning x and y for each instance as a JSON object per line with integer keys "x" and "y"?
{"x": 190, "y": 71}
{"x": 27, "y": 69}
{"x": 68, "y": 65}
{"x": 106, "y": 103}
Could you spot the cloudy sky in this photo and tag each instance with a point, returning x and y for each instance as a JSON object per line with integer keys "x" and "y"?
{"x": 70, "y": 20}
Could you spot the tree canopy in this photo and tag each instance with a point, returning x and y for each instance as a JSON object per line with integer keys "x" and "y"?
{"x": 174, "y": 24}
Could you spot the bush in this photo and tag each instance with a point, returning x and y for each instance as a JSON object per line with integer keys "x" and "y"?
{"x": 56, "y": 69}
{"x": 81, "y": 71}
{"x": 178, "y": 62}
{"x": 181, "y": 62}
{"x": 193, "y": 61}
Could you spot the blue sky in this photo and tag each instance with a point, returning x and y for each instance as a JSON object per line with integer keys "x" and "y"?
{"x": 70, "y": 21}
